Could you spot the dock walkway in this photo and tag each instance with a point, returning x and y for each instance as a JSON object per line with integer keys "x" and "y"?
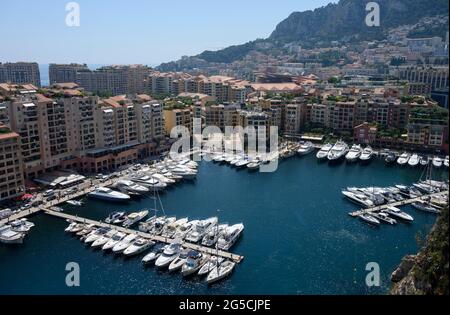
{"x": 396, "y": 204}
{"x": 156, "y": 238}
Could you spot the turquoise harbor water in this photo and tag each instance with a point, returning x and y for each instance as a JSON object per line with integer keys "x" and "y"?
{"x": 298, "y": 237}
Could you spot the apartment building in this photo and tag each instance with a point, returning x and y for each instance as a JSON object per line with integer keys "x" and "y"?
{"x": 434, "y": 77}
{"x": 293, "y": 120}
{"x": 64, "y": 73}
{"x": 222, "y": 116}
{"x": 342, "y": 115}
{"x": 114, "y": 80}
{"x": 320, "y": 114}
{"x": 221, "y": 88}
{"x": 178, "y": 117}
{"x": 11, "y": 172}
{"x": 20, "y": 73}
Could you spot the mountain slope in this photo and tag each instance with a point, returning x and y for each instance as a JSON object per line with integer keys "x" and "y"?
{"x": 344, "y": 20}
{"x": 347, "y": 19}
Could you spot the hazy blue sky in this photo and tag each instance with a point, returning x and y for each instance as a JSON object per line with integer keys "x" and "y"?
{"x": 136, "y": 31}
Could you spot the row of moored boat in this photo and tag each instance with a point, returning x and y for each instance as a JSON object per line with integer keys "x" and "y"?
{"x": 143, "y": 180}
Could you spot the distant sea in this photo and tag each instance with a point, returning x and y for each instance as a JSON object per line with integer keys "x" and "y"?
{"x": 43, "y": 69}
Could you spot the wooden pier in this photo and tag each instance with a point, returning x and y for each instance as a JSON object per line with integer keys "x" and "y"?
{"x": 155, "y": 238}
{"x": 396, "y": 204}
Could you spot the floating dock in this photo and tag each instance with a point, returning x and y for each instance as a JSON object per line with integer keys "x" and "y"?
{"x": 396, "y": 204}
{"x": 155, "y": 238}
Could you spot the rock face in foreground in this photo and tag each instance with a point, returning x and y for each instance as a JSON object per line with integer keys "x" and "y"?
{"x": 427, "y": 272}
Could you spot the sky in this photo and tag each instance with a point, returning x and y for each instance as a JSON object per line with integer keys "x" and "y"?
{"x": 135, "y": 31}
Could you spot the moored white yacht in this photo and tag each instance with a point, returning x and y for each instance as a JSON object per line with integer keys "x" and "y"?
{"x": 104, "y": 239}
{"x": 414, "y": 160}
{"x": 367, "y": 155}
{"x": 8, "y": 236}
{"x": 358, "y": 198}
{"x": 369, "y": 219}
{"x": 424, "y": 160}
{"x": 74, "y": 203}
{"x": 212, "y": 263}
{"x": 323, "y": 152}
{"x": 178, "y": 262}
{"x": 305, "y": 148}
{"x": 154, "y": 254}
{"x": 403, "y": 159}
{"x": 135, "y": 217}
{"x": 437, "y": 162}
{"x": 95, "y": 235}
{"x": 21, "y": 225}
{"x": 115, "y": 239}
{"x": 194, "y": 262}
{"x": 147, "y": 181}
{"x": 138, "y": 246}
{"x": 104, "y": 193}
{"x": 123, "y": 244}
{"x": 168, "y": 255}
{"x": 395, "y": 212}
{"x": 220, "y": 272}
{"x": 384, "y": 217}
{"x": 354, "y": 153}
{"x": 115, "y": 218}
{"x": 128, "y": 186}
{"x": 339, "y": 150}
{"x": 446, "y": 161}
{"x": 424, "y": 206}
{"x": 229, "y": 236}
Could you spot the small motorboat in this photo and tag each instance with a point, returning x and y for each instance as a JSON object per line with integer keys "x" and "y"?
{"x": 116, "y": 218}
{"x": 74, "y": 203}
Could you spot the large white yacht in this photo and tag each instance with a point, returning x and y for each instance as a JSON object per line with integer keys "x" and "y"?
{"x": 305, "y": 148}
{"x": 229, "y": 236}
{"x": 437, "y": 162}
{"x": 323, "y": 153}
{"x": 359, "y": 198}
{"x": 118, "y": 237}
{"x": 414, "y": 160}
{"x": 123, "y": 244}
{"x": 108, "y": 194}
{"x": 395, "y": 212}
{"x": 367, "y": 154}
{"x": 194, "y": 262}
{"x": 135, "y": 217}
{"x": 354, "y": 153}
{"x": 8, "y": 236}
{"x": 339, "y": 150}
{"x": 138, "y": 246}
{"x": 127, "y": 186}
{"x": 403, "y": 159}
{"x": 148, "y": 181}
{"x": 104, "y": 239}
{"x": 168, "y": 255}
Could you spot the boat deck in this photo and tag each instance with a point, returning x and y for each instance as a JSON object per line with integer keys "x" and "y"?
{"x": 156, "y": 238}
{"x": 396, "y": 204}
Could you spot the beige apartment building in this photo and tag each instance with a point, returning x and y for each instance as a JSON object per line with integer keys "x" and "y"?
{"x": 294, "y": 120}
{"x": 178, "y": 117}
{"x": 11, "y": 173}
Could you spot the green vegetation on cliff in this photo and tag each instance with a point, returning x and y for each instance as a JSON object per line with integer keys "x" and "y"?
{"x": 428, "y": 274}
